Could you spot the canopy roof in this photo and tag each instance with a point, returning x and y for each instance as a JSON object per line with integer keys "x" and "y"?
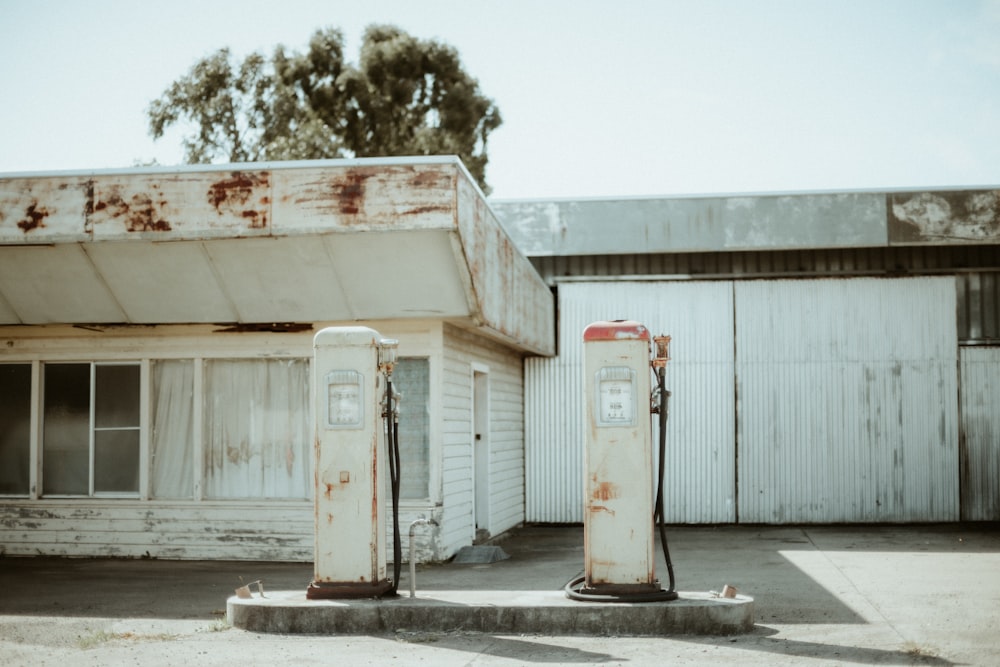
{"x": 337, "y": 240}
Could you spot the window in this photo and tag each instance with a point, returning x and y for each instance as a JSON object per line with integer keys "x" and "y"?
{"x": 90, "y": 429}
{"x": 15, "y": 429}
{"x": 411, "y": 378}
{"x": 221, "y": 429}
{"x": 257, "y": 429}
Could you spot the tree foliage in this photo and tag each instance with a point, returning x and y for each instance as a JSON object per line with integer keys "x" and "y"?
{"x": 405, "y": 96}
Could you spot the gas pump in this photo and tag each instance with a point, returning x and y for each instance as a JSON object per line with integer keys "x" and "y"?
{"x": 620, "y": 512}
{"x": 353, "y": 395}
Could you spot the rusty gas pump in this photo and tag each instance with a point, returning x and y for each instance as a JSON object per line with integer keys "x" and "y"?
{"x": 620, "y": 512}
{"x": 354, "y": 398}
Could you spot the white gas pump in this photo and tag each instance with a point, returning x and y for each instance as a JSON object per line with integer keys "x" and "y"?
{"x": 352, "y": 367}
{"x": 619, "y": 512}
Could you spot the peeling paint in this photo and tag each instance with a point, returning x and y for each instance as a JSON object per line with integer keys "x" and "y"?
{"x": 932, "y": 217}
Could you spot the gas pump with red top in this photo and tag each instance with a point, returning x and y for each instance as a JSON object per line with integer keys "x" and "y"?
{"x": 620, "y": 512}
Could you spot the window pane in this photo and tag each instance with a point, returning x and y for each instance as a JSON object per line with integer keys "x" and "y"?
{"x": 117, "y": 396}
{"x": 66, "y": 429}
{"x": 15, "y": 422}
{"x": 173, "y": 429}
{"x": 116, "y": 461}
{"x": 411, "y": 379}
{"x": 256, "y": 429}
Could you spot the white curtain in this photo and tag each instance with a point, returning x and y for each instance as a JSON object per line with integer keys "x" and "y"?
{"x": 173, "y": 420}
{"x": 257, "y": 429}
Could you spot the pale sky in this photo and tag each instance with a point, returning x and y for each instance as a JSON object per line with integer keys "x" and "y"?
{"x": 599, "y": 99}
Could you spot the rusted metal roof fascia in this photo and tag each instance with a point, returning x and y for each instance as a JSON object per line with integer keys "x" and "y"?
{"x": 243, "y": 201}
{"x": 512, "y": 300}
{"x": 45, "y": 210}
{"x": 364, "y": 198}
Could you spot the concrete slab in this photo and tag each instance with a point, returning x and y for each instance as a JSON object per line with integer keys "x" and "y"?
{"x": 881, "y": 594}
{"x": 493, "y": 611}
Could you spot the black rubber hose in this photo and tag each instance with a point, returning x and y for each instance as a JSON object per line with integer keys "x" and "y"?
{"x": 392, "y": 431}
{"x": 659, "y": 512}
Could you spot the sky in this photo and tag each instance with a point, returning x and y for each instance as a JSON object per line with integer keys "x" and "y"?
{"x": 620, "y": 98}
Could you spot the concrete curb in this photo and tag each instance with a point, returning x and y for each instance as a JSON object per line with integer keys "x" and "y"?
{"x": 499, "y": 612}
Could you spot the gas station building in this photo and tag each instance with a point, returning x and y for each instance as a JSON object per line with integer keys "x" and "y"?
{"x": 835, "y": 356}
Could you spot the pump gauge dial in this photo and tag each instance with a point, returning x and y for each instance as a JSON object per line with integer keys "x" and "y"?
{"x": 616, "y": 396}
{"x": 345, "y": 404}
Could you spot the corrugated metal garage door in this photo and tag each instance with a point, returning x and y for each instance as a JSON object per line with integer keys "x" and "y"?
{"x": 980, "y": 433}
{"x": 700, "y": 467}
{"x": 847, "y": 400}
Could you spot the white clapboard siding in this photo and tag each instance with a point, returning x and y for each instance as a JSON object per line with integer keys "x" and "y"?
{"x": 464, "y": 352}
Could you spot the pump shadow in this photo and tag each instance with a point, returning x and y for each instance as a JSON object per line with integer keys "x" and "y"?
{"x": 753, "y": 559}
{"x": 762, "y": 639}
{"x": 131, "y": 588}
{"x": 519, "y": 650}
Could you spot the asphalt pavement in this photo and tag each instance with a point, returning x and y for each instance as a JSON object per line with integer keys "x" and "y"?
{"x": 898, "y": 595}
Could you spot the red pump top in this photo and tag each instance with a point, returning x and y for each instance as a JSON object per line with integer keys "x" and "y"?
{"x": 615, "y": 330}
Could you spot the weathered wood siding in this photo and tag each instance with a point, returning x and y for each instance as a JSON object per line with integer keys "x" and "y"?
{"x": 279, "y": 531}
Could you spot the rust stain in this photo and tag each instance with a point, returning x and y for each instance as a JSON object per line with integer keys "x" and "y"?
{"x": 235, "y": 195}
{"x": 34, "y": 216}
{"x": 88, "y": 206}
{"x": 605, "y": 491}
{"x": 601, "y": 508}
{"x": 349, "y": 190}
{"x": 142, "y": 215}
{"x": 328, "y": 493}
{"x": 431, "y": 179}
{"x": 139, "y": 213}
{"x": 420, "y": 210}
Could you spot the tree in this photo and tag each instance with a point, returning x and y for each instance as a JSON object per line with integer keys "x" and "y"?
{"x": 404, "y": 97}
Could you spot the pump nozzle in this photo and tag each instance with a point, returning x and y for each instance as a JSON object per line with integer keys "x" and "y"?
{"x": 662, "y": 344}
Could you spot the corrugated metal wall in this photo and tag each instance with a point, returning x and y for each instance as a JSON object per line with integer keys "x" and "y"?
{"x": 847, "y": 395}
{"x": 847, "y": 399}
{"x": 980, "y": 400}
{"x": 700, "y": 466}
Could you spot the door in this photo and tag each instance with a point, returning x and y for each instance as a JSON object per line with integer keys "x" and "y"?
{"x": 481, "y": 450}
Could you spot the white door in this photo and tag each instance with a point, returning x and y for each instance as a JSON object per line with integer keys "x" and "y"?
{"x": 481, "y": 449}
